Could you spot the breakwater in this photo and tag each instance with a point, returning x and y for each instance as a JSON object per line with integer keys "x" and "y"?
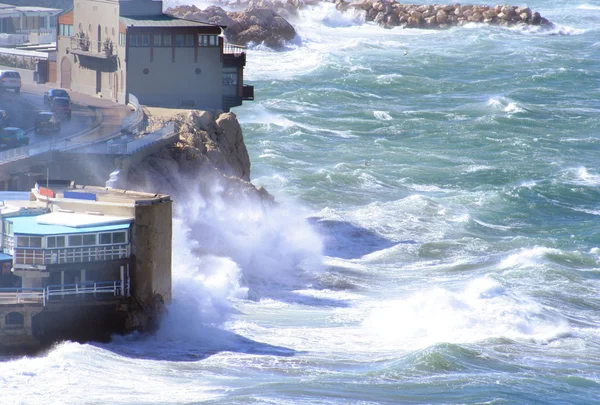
{"x": 391, "y": 14}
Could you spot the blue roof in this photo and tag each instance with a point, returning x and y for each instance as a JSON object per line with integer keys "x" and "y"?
{"x": 29, "y": 226}
{"x": 5, "y": 258}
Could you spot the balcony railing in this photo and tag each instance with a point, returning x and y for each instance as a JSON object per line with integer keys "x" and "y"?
{"x": 231, "y": 49}
{"x": 94, "y": 49}
{"x": 86, "y": 290}
{"x": 26, "y": 256}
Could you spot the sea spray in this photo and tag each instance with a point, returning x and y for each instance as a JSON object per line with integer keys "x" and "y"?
{"x": 235, "y": 248}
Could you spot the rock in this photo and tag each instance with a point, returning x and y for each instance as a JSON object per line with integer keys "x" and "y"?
{"x": 254, "y": 25}
{"x": 210, "y": 151}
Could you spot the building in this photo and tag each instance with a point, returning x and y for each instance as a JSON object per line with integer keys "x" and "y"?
{"x": 27, "y": 24}
{"x": 81, "y": 263}
{"x": 118, "y": 48}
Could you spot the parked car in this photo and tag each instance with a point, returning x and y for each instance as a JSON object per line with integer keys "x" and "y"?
{"x": 61, "y": 106}
{"x": 4, "y": 119}
{"x": 13, "y": 137}
{"x": 10, "y": 79}
{"x": 51, "y": 94}
{"x": 46, "y": 121}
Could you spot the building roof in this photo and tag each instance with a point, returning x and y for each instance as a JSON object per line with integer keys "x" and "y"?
{"x": 103, "y": 195}
{"x": 5, "y": 258}
{"x": 162, "y": 20}
{"x": 30, "y": 225}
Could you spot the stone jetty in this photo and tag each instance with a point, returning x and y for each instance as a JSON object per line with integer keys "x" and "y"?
{"x": 391, "y": 14}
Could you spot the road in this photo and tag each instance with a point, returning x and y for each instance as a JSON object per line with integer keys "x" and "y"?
{"x": 92, "y": 118}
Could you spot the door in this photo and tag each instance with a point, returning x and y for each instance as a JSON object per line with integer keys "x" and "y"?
{"x": 65, "y": 73}
{"x": 98, "y": 81}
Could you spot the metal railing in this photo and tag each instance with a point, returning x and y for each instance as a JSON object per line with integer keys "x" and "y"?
{"x": 28, "y": 256}
{"x": 91, "y": 289}
{"x": 232, "y": 49}
{"x": 95, "y": 47}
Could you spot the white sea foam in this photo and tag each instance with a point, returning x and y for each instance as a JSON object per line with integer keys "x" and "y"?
{"x": 382, "y": 115}
{"x": 224, "y": 250}
{"x": 530, "y": 257}
{"x": 483, "y": 309}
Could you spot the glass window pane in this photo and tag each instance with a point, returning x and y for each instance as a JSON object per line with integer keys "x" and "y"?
{"x": 145, "y": 40}
{"x": 167, "y": 40}
{"x": 89, "y": 240}
{"x": 105, "y": 238}
{"x": 179, "y": 40}
{"x": 51, "y": 242}
{"x": 189, "y": 40}
{"x": 75, "y": 240}
{"x": 119, "y": 237}
{"x": 35, "y": 241}
{"x": 60, "y": 241}
{"x": 22, "y": 241}
{"x": 157, "y": 40}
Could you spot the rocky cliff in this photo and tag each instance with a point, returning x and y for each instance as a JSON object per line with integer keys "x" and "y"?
{"x": 210, "y": 150}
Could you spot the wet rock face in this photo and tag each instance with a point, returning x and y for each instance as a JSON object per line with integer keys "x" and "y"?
{"x": 389, "y": 14}
{"x": 254, "y": 25}
{"x": 210, "y": 151}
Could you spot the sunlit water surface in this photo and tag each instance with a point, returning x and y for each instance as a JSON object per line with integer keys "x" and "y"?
{"x": 437, "y": 237}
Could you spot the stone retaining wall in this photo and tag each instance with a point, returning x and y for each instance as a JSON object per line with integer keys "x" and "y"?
{"x": 390, "y": 14}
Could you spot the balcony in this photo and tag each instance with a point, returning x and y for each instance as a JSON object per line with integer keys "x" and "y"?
{"x": 234, "y": 55}
{"x": 93, "y": 290}
{"x": 31, "y": 258}
{"x": 83, "y": 46}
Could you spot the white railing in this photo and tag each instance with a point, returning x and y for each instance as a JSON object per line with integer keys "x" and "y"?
{"x": 233, "y": 49}
{"x": 28, "y": 256}
{"x": 133, "y": 122}
{"x": 92, "y": 290}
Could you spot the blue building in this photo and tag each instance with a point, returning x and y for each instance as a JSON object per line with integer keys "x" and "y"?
{"x": 70, "y": 253}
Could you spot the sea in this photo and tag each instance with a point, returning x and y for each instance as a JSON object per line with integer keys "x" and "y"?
{"x": 435, "y": 237}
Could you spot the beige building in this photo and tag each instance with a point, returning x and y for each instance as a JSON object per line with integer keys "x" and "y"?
{"x": 118, "y": 48}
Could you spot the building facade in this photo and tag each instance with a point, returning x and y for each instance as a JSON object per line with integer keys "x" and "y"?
{"x": 118, "y": 48}
{"x": 29, "y": 24}
{"x": 76, "y": 262}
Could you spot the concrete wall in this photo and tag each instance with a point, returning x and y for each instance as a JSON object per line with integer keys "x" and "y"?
{"x": 169, "y": 82}
{"x": 152, "y": 233}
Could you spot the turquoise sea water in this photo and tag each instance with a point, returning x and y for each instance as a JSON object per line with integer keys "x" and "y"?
{"x": 436, "y": 242}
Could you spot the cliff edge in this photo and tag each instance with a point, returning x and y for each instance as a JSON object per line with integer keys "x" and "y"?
{"x": 210, "y": 149}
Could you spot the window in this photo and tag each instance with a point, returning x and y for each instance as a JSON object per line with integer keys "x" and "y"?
{"x": 113, "y": 238}
{"x": 145, "y": 40}
{"x": 55, "y": 241}
{"x": 65, "y": 30}
{"x": 89, "y": 240}
{"x": 121, "y": 38}
{"x": 8, "y": 228}
{"x": 189, "y": 40}
{"x": 157, "y": 40}
{"x": 167, "y": 40}
{"x": 75, "y": 240}
{"x": 105, "y": 238}
{"x": 179, "y": 41}
{"x": 133, "y": 40}
{"x": 119, "y": 237}
{"x": 29, "y": 241}
{"x": 208, "y": 40}
{"x": 230, "y": 76}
